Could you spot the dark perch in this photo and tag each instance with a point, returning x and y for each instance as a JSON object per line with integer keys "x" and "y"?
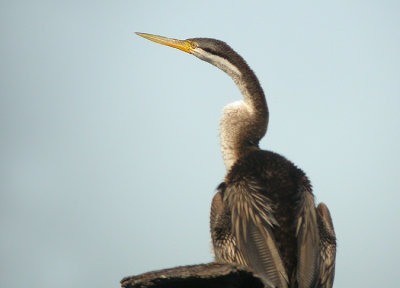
{"x": 212, "y": 275}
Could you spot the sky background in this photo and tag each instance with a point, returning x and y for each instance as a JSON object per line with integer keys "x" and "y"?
{"x": 109, "y": 151}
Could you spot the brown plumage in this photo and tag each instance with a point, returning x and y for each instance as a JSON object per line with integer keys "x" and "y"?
{"x": 263, "y": 215}
{"x": 328, "y": 247}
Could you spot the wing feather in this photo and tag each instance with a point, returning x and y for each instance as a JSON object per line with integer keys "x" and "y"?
{"x": 224, "y": 243}
{"x": 253, "y": 224}
{"x": 308, "y": 242}
{"x": 328, "y": 246}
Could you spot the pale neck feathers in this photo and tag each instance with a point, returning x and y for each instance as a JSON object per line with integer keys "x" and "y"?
{"x": 243, "y": 123}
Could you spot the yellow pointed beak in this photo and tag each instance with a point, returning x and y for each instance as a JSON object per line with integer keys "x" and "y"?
{"x": 184, "y": 45}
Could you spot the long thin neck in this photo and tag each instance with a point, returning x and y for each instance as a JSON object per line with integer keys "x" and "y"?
{"x": 243, "y": 124}
{"x": 253, "y": 94}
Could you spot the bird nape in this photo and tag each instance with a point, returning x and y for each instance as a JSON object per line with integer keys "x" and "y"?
{"x": 263, "y": 215}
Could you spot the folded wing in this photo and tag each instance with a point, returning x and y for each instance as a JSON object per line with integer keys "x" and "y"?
{"x": 308, "y": 241}
{"x": 252, "y": 224}
{"x": 328, "y": 246}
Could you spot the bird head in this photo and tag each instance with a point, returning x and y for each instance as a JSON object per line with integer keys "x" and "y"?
{"x": 210, "y": 50}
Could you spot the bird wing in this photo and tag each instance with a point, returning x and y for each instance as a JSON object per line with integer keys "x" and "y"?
{"x": 217, "y": 208}
{"x": 224, "y": 243}
{"x": 328, "y": 246}
{"x": 307, "y": 241}
{"x": 252, "y": 225}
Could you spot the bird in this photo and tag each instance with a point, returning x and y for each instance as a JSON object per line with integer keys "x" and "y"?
{"x": 263, "y": 215}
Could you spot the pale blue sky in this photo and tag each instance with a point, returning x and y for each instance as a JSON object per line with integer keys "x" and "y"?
{"x": 109, "y": 143}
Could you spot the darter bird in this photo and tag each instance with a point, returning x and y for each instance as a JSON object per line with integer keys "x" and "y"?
{"x": 263, "y": 215}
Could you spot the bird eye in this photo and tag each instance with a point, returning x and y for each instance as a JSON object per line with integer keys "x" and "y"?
{"x": 194, "y": 45}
